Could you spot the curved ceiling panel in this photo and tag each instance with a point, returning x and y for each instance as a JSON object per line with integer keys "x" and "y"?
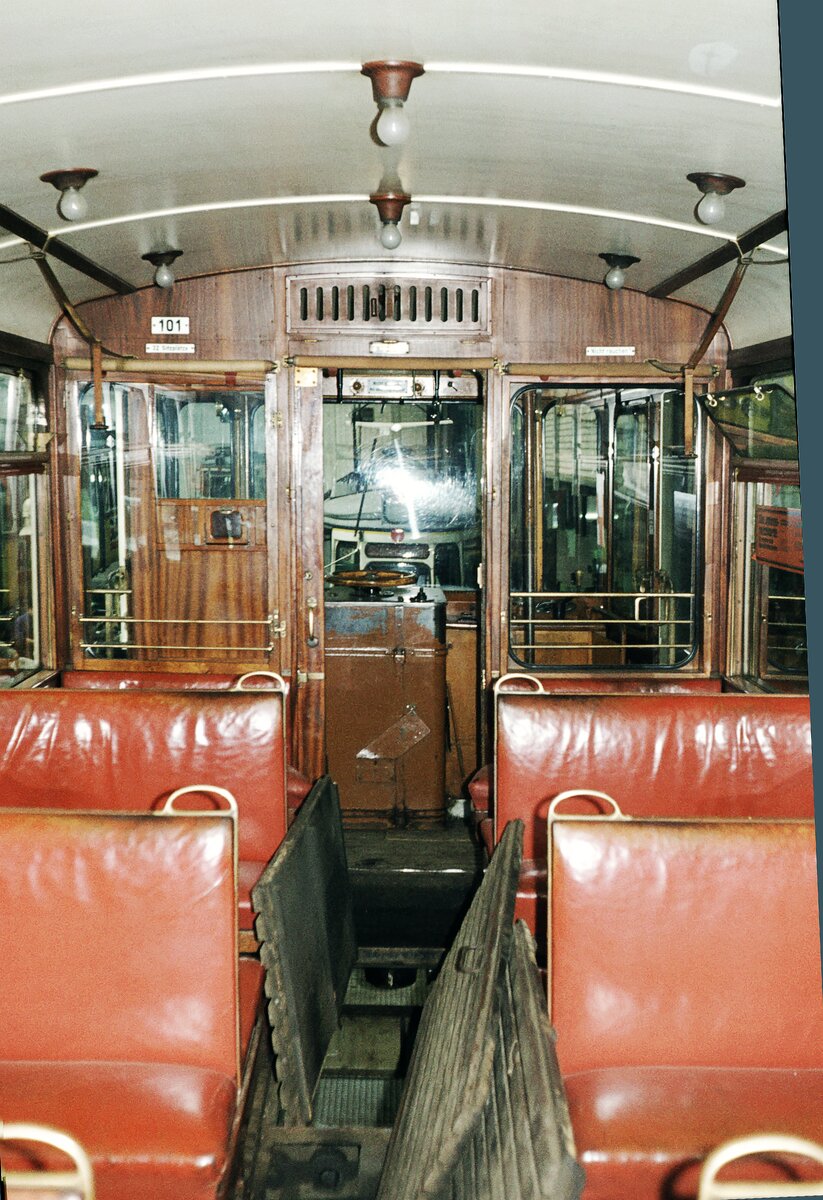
{"x": 539, "y": 137}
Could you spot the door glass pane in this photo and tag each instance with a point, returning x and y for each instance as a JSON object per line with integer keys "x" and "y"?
{"x": 402, "y": 488}
{"x": 210, "y": 445}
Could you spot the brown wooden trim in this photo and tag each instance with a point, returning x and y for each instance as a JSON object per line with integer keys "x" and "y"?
{"x": 771, "y": 227}
{"x": 754, "y": 471}
{"x": 762, "y": 354}
{"x": 627, "y": 371}
{"x": 35, "y": 236}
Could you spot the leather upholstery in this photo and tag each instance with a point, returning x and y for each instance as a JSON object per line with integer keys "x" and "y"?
{"x": 480, "y": 785}
{"x": 644, "y": 1131}
{"x": 157, "y": 1130}
{"x": 662, "y": 755}
{"x": 723, "y": 755}
{"x": 122, "y": 1009}
{"x": 124, "y": 972}
{"x": 126, "y": 750}
{"x": 685, "y": 988}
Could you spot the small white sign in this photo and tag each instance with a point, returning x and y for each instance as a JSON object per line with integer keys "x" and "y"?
{"x": 170, "y": 325}
{"x": 603, "y": 351}
{"x": 169, "y": 347}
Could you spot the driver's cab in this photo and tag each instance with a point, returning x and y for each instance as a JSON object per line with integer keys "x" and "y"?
{"x": 402, "y": 464}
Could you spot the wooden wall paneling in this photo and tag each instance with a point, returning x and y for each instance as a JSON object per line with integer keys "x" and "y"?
{"x": 718, "y": 549}
{"x": 58, "y": 568}
{"x": 232, "y": 317}
{"x": 496, "y": 551}
{"x": 542, "y": 318}
{"x": 277, "y": 526}
{"x": 307, "y": 476}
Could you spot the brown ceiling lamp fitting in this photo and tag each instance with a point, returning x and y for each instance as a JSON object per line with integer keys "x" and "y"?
{"x": 714, "y": 187}
{"x": 162, "y": 260}
{"x": 390, "y": 207}
{"x": 71, "y": 206}
{"x": 391, "y": 82}
{"x": 618, "y": 264}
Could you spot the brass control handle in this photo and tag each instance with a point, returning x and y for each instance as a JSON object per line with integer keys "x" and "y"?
{"x": 313, "y": 641}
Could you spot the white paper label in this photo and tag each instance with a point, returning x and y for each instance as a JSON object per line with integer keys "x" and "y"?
{"x": 603, "y": 351}
{"x": 169, "y": 347}
{"x": 170, "y": 325}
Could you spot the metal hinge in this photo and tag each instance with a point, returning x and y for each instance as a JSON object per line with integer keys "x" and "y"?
{"x": 278, "y": 627}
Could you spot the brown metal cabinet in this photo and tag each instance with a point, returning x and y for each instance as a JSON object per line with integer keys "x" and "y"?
{"x": 385, "y": 668}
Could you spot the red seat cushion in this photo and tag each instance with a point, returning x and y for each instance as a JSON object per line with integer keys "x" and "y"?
{"x": 642, "y": 1131}
{"x": 154, "y": 1130}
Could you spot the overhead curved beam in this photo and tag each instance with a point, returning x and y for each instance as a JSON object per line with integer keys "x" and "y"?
{"x": 27, "y": 232}
{"x": 500, "y": 70}
{"x": 753, "y": 238}
{"x": 357, "y": 198}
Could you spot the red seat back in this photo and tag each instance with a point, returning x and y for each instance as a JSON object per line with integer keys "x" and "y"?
{"x": 684, "y": 943}
{"x": 662, "y": 755}
{"x": 100, "y": 960}
{"x": 126, "y": 750}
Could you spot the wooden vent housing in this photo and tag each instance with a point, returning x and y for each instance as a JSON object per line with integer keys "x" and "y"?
{"x": 369, "y": 303}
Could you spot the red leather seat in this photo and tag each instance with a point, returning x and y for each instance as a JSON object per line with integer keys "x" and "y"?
{"x": 128, "y": 749}
{"x": 685, "y": 990}
{"x": 124, "y": 1011}
{"x": 663, "y": 755}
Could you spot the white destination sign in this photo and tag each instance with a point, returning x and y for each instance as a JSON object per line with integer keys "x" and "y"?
{"x": 170, "y": 325}
{"x": 169, "y": 347}
{"x": 598, "y": 351}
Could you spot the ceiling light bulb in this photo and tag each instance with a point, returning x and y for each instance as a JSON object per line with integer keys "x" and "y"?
{"x": 392, "y": 125}
{"x": 615, "y": 278}
{"x": 72, "y": 205}
{"x": 164, "y": 276}
{"x": 390, "y": 235}
{"x": 711, "y": 208}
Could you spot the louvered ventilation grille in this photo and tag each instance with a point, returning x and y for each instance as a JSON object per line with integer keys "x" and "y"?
{"x": 322, "y": 304}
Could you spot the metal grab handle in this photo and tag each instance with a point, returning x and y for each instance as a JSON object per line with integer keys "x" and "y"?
{"x": 208, "y": 788}
{"x": 311, "y": 605}
{"x": 516, "y": 677}
{"x": 81, "y": 1179}
{"x": 766, "y": 1143}
{"x": 279, "y": 681}
{"x": 615, "y": 814}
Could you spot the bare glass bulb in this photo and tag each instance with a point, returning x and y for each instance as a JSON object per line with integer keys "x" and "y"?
{"x": 615, "y": 278}
{"x": 164, "y": 276}
{"x": 72, "y": 205}
{"x": 711, "y": 208}
{"x": 390, "y": 235}
{"x": 392, "y": 125}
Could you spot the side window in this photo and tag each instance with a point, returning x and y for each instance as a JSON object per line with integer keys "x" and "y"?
{"x": 24, "y": 641}
{"x": 604, "y": 529}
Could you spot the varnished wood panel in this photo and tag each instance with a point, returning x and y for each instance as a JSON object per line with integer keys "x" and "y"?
{"x": 232, "y": 317}
{"x": 541, "y": 318}
{"x": 220, "y": 584}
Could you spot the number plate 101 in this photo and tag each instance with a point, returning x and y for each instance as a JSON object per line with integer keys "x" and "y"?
{"x": 170, "y": 325}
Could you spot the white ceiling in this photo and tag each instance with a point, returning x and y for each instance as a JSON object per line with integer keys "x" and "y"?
{"x": 542, "y": 134}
